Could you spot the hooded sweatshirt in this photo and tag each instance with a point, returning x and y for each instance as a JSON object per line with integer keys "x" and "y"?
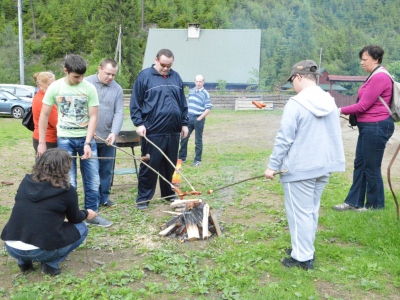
{"x": 37, "y": 217}
{"x": 309, "y": 141}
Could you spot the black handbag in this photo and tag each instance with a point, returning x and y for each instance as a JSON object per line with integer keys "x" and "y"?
{"x": 27, "y": 120}
{"x": 353, "y": 120}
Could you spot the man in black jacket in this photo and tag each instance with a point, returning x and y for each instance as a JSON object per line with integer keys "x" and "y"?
{"x": 159, "y": 110}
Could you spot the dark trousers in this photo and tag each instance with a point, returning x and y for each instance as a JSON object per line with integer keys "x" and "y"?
{"x": 198, "y": 127}
{"x": 367, "y": 175}
{"x": 35, "y": 143}
{"x": 169, "y": 144}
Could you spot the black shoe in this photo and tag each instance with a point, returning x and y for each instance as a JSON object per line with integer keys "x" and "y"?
{"x": 26, "y": 267}
{"x": 290, "y": 262}
{"x": 142, "y": 206}
{"x": 288, "y": 251}
{"x": 172, "y": 199}
{"x": 46, "y": 269}
{"x": 109, "y": 204}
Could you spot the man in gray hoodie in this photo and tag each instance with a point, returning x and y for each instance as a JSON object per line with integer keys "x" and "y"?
{"x": 309, "y": 145}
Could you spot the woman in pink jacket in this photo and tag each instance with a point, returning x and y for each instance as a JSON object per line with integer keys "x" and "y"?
{"x": 375, "y": 127}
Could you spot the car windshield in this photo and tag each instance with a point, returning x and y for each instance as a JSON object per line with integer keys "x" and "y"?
{"x": 7, "y": 95}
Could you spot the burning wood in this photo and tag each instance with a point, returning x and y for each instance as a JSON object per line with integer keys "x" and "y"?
{"x": 194, "y": 221}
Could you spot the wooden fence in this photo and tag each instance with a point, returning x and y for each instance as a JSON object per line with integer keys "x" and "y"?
{"x": 278, "y": 99}
{"x": 228, "y": 101}
{"x": 343, "y": 100}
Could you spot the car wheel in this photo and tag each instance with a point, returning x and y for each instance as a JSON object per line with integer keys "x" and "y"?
{"x": 18, "y": 112}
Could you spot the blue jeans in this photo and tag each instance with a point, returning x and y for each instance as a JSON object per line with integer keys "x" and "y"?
{"x": 367, "y": 175}
{"x": 52, "y": 258}
{"x": 106, "y": 167}
{"x": 198, "y": 127}
{"x": 89, "y": 169}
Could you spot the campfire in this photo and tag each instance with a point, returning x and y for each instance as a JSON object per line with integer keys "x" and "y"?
{"x": 193, "y": 221}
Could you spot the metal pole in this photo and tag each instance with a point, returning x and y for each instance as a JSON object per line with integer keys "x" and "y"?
{"x": 21, "y": 44}
{"x": 142, "y": 14}
{"x": 120, "y": 47}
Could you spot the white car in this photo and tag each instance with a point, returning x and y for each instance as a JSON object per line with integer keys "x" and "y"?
{"x": 25, "y": 92}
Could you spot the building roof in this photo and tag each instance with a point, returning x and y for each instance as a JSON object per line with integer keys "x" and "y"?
{"x": 218, "y": 54}
{"x": 343, "y": 78}
{"x": 325, "y": 87}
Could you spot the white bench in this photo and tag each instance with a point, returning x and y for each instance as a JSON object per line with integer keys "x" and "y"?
{"x": 245, "y": 104}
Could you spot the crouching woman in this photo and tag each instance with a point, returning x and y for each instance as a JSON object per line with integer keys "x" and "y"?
{"x": 46, "y": 223}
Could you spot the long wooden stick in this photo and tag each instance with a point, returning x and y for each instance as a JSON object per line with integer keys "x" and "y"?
{"x": 140, "y": 159}
{"x": 100, "y": 157}
{"x": 176, "y": 169}
{"x": 240, "y": 181}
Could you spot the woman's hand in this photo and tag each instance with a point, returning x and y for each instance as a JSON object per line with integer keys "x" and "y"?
{"x": 91, "y": 214}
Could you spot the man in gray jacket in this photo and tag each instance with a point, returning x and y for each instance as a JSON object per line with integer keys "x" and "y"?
{"x": 111, "y": 117}
{"x": 309, "y": 145}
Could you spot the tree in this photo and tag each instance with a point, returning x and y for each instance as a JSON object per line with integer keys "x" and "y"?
{"x": 9, "y": 58}
{"x": 33, "y": 20}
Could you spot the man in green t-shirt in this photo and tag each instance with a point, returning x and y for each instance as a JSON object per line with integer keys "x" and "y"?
{"x": 77, "y": 104}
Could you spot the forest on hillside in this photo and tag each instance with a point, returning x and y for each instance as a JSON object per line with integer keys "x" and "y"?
{"x": 292, "y": 30}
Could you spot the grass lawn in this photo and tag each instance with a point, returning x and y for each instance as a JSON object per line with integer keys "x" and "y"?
{"x": 357, "y": 254}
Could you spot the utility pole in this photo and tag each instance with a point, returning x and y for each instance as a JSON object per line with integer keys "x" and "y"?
{"x": 118, "y": 49}
{"x": 21, "y": 44}
{"x": 142, "y": 14}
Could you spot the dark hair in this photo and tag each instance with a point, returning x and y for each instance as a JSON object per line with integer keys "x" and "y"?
{"x": 53, "y": 165}
{"x": 75, "y": 63}
{"x": 375, "y": 51}
{"x": 168, "y": 53}
{"x": 107, "y": 61}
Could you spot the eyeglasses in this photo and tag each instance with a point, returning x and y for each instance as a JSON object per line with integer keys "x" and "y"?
{"x": 293, "y": 78}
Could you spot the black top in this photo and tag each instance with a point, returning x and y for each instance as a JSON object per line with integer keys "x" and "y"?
{"x": 38, "y": 215}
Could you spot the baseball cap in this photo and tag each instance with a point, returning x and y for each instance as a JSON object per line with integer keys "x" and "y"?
{"x": 304, "y": 67}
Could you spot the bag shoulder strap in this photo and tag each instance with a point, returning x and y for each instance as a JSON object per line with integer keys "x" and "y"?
{"x": 382, "y": 70}
{"x": 384, "y": 103}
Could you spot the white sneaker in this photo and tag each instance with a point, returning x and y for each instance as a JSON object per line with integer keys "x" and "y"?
{"x": 343, "y": 207}
{"x": 362, "y": 209}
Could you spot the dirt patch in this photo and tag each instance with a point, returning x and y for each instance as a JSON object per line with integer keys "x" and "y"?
{"x": 256, "y": 130}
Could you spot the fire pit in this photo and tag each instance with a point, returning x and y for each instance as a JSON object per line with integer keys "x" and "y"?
{"x": 193, "y": 221}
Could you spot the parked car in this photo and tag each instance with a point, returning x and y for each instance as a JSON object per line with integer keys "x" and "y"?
{"x": 25, "y": 92}
{"x": 13, "y": 105}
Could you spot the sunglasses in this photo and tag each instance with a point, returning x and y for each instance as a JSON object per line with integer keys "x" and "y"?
{"x": 166, "y": 66}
